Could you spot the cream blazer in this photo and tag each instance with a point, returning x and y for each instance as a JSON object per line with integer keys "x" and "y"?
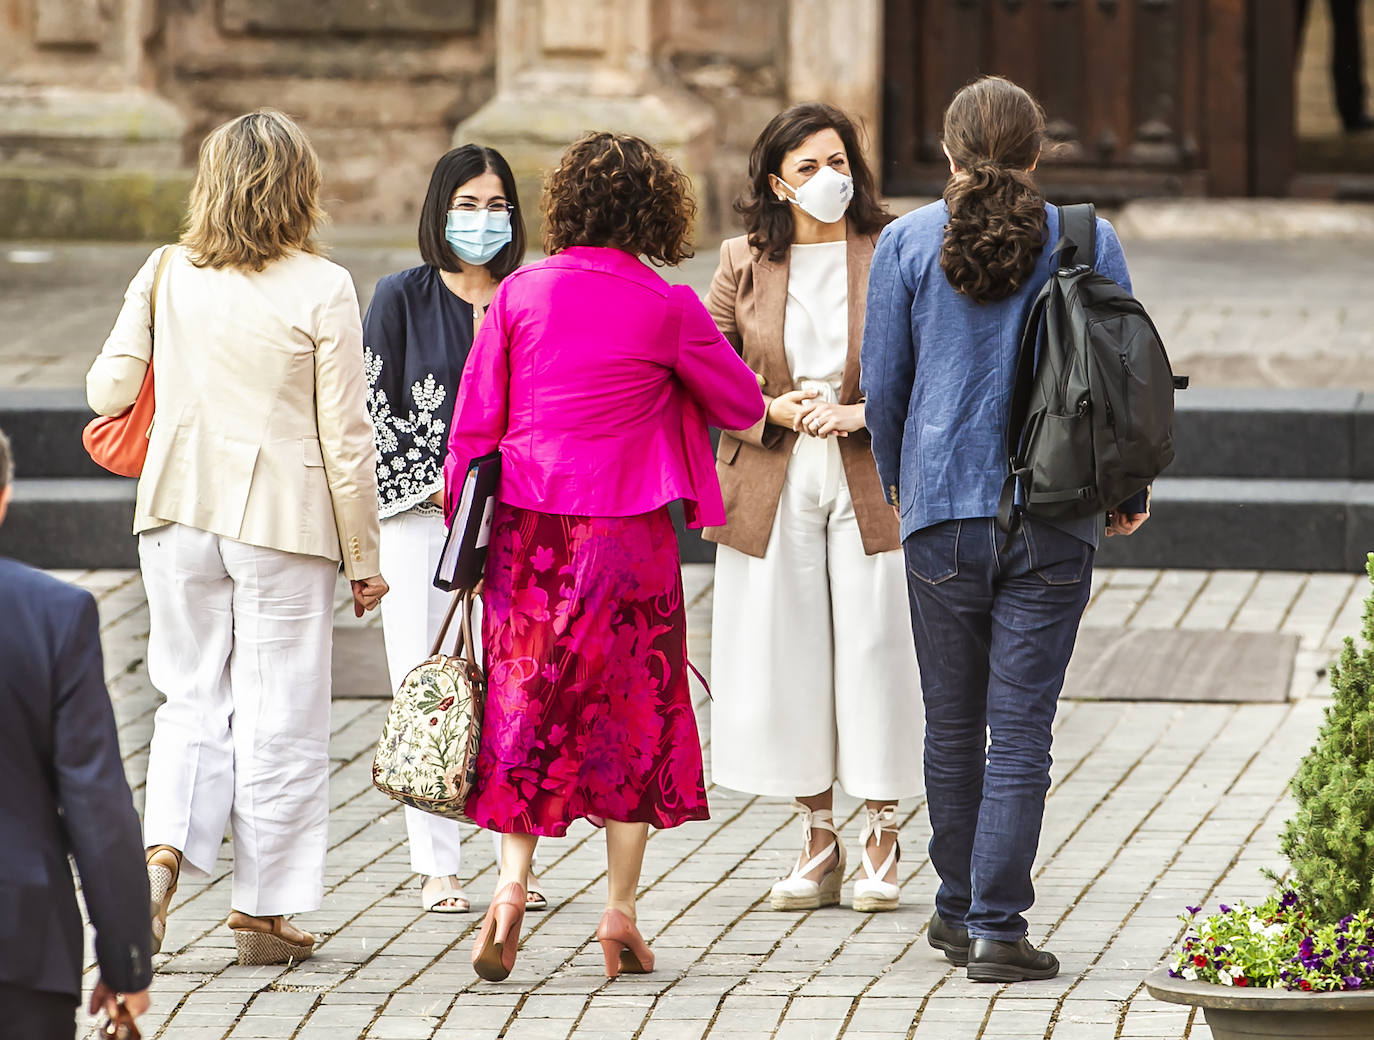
{"x": 261, "y": 431}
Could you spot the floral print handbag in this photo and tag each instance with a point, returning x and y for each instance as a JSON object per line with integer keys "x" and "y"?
{"x": 427, "y": 755}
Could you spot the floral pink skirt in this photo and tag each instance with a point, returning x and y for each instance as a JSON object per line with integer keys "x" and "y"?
{"x": 588, "y": 710}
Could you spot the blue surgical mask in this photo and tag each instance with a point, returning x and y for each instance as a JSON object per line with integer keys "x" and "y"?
{"x": 477, "y": 235}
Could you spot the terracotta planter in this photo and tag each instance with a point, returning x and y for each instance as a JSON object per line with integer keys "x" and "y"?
{"x": 1241, "y": 1013}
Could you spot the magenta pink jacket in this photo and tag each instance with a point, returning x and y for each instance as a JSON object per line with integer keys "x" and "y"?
{"x": 599, "y": 408}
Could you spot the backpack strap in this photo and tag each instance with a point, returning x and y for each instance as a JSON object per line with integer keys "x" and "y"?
{"x": 1077, "y": 235}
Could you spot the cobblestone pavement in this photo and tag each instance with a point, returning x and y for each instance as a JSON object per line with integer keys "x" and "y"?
{"x": 1154, "y": 805}
{"x": 1284, "y": 313}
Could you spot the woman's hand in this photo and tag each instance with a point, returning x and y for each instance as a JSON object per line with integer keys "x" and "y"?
{"x": 367, "y": 593}
{"x": 823, "y": 419}
{"x": 786, "y": 410}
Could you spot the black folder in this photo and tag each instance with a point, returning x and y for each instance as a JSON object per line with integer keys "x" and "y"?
{"x": 469, "y": 531}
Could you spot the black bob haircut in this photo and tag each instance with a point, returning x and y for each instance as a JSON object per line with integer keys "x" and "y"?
{"x": 456, "y": 168}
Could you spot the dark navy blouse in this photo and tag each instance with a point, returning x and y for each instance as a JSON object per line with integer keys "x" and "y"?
{"x": 416, "y": 338}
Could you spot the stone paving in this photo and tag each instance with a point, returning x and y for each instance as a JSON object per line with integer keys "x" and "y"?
{"x": 1290, "y": 311}
{"x": 1154, "y": 805}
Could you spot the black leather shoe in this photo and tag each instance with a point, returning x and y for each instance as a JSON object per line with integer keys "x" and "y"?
{"x": 951, "y": 938}
{"x": 993, "y": 961}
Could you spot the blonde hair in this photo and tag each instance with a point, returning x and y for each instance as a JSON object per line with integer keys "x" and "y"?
{"x": 256, "y": 196}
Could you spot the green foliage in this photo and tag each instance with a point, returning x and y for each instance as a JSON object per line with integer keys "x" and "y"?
{"x": 1330, "y": 839}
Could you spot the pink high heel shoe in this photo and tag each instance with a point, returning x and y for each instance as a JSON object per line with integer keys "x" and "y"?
{"x": 494, "y": 949}
{"x": 622, "y": 946}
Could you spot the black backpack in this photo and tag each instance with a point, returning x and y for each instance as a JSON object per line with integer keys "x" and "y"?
{"x": 1092, "y": 405}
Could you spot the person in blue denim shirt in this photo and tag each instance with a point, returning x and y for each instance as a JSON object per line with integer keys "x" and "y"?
{"x": 994, "y": 624}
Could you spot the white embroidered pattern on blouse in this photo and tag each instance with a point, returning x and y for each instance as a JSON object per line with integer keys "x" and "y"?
{"x": 412, "y": 448}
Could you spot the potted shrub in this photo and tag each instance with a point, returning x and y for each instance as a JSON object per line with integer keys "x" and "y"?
{"x": 1301, "y": 964}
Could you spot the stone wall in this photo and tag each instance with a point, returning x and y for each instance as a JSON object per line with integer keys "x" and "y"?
{"x": 734, "y": 57}
{"x": 379, "y": 86}
{"x": 101, "y": 100}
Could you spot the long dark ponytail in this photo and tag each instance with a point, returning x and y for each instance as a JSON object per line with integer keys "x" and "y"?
{"x": 993, "y": 132}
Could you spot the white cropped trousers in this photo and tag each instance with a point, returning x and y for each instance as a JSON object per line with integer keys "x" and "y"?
{"x": 412, "y": 612}
{"x": 813, "y": 670}
{"x": 239, "y": 644}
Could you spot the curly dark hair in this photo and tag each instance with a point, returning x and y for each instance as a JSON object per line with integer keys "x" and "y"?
{"x": 994, "y": 132}
{"x": 618, "y": 190}
{"x": 767, "y": 219}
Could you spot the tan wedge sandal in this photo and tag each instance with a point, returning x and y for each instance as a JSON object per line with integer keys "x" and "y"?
{"x": 164, "y": 867}
{"x": 269, "y": 940}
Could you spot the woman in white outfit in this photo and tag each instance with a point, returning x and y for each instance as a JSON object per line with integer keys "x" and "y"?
{"x": 417, "y": 334}
{"x": 812, "y": 682}
{"x": 260, "y": 478}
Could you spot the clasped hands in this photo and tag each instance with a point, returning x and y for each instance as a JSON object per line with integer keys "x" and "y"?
{"x": 803, "y": 412}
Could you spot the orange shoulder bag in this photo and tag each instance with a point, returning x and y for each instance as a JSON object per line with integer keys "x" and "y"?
{"x": 120, "y": 443}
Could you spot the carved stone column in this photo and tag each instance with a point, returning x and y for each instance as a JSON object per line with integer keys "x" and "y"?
{"x": 87, "y": 148}
{"x": 835, "y": 54}
{"x": 568, "y": 66}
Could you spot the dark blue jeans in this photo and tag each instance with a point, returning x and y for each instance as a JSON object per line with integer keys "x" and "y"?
{"x": 994, "y": 631}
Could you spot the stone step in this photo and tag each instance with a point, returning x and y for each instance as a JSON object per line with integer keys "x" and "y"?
{"x": 44, "y": 427}
{"x": 1299, "y": 525}
{"x": 1264, "y": 433}
{"x": 1263, "y": 479}
{"x": 1274, "y": 434}
{"x": 1213, "y": 524}
{"x": 71, "y": 523}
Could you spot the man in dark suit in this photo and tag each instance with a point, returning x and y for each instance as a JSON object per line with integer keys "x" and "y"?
{"x": 62, "y": 790}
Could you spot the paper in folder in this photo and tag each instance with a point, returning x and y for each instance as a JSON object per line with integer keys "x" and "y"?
{"x": 465, "y": 547}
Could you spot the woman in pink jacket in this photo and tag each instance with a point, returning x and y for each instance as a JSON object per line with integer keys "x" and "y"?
{"x": 596, "y": 380}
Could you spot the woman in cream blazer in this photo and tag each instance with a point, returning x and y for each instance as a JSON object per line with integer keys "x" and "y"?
{"x": 260, "y": 479}
{"x": 813, "y": 683}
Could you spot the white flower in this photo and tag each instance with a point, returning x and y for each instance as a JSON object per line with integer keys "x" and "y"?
{"x": 1190, "y": 973}
{"x": 1224, "y": 977}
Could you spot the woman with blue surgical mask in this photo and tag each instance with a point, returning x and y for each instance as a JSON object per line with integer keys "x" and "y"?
{"x": 416, "y": 337}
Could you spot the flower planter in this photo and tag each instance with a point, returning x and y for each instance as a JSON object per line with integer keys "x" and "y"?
{"x": 1240, "y": 1014}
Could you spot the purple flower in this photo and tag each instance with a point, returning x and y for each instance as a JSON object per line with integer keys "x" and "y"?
{"x": 1193, "y": 910}
{"x": 1290, "y": 899}
{"x": 1224, "y": 908}
{"x": 1351, "y": 982}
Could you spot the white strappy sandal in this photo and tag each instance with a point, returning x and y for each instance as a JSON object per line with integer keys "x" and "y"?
{"x": 797, "y": 891}
{"x": 443, "y": 895}
{"x": 872, "y": 894}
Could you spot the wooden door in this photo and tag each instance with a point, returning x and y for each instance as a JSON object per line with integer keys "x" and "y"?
{"x": 1142, "y": 97}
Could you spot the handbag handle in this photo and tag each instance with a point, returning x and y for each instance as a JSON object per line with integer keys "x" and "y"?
{"x": 464, "y": 649}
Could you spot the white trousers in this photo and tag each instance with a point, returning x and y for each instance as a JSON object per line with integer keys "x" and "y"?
{"x": 813, "y": 671}
{"x": 412, "y": 612}
{"x": 239, "y": 644}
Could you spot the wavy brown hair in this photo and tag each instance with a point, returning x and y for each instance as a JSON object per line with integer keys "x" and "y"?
{"x": 256, "y": 196}
{"x": 767, "y": 219}
{"x": 994, "y": 131}
{"x": 620, "y": 191}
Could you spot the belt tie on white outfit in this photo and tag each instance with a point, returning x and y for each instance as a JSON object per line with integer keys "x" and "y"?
{"x": 834, "y": 466}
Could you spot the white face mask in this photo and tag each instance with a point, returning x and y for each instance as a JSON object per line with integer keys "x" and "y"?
{"x": 825, "y": 196}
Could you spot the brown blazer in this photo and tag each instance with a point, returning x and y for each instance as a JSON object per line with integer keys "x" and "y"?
{"x": 748, "y": 300}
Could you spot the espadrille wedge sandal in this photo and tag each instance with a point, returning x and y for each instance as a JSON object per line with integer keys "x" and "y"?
{"x": 797, "y": 891}
{"x": 164, "y": 867}
{"x": 269, "y": 940}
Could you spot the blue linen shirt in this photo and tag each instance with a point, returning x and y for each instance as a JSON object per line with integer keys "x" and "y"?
{"x": 937, "y": 372}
